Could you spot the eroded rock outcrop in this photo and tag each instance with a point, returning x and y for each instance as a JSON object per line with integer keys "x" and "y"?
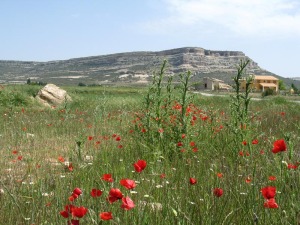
{"x": 52, "y": 95}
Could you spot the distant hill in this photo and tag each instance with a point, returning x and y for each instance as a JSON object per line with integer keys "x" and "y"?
{"x": 295, "y": 78}
{"x": 131, "y": 67}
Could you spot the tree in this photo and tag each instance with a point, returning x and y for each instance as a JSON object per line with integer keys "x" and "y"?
{"x": 281, "y": 85}
{"x": 295, "y": 88}
{"x": 82, "y": 84}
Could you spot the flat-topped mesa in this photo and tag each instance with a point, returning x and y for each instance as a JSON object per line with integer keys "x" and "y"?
{"x": 194, "y": 50}
{"x": 200, "y": 51}
{"x": 129, "y": 66}
{"x": 224, "y": 53}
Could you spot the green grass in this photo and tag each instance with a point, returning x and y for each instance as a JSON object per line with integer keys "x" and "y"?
{"x": 37, "y": 187}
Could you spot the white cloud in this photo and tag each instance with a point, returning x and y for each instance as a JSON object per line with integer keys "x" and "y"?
{"x": 258, "y": 18}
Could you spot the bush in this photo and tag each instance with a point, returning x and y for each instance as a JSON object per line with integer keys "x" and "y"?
{"x": 81, "y": 84}
{"x": 268, "y": 92}
{"x": 33, "y": 90}
{"x": 12, "y": 98}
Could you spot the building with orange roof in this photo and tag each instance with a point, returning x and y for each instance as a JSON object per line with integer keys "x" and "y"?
{"x": 261, "y": 83}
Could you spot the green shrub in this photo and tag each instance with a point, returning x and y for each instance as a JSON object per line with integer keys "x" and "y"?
{"x": 80, "y": 84}
{"x": 12, "y": 98}
{"x": 268, "y": 92}
{"x": 32, "y": 90}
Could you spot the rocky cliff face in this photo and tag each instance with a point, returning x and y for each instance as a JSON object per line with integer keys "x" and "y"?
{"x": 128, "y": 67}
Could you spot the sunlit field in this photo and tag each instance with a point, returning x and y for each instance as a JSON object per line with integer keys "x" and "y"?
{"x": 148, "y": 155}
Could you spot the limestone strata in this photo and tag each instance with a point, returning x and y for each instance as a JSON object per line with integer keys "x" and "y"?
{"x": 122, "y": 67}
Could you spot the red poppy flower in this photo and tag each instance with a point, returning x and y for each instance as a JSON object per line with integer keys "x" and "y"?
{"x": 218, "y": 192}
{"x": 72, "y": 198}
{"x": 292, "y": 166}
{"x": 179, "y": 144}
{"x": 268, "y": 192}
{"x": 129, "y": 184}
{"x": 64, "y": 213}
{"x": 67, "y": 211}
{"x": 77, "y": 191}
{"x": 61, "y": 159}
{"x": 127, "y": 203}
{"x": 90, "y": 138}
{"x": 255, "y": 142}
{"x": 270, "y": 203}
{"x": 192, "y": 144}
{"x": 279, "y": 146}
{"x": 79, "y": 211}
{"x": 107, "y": 177}
{"x": 14, "y": 152}
{"x": 195, "y": 149}
{"x": 114, "y": 195}
{"x": 220, "y": 175}
{"x": 162, "y": 176}
{"x": 75, "y": 194}
{"x": 244, "y": 142}
{"x": 70, "y": 167}
{"x": 193, "y": 181}
{"x": 73, "y": 222}
{"x": 248, "y": 180}
{"x": 203, "y": 118}
{"x": 160, "y": 130}
{"x": 96, "y": 193}
{"x": 106, "y": 216}
{"x": 140, "y": 165}
{"x": 272, "y": 178}
{"x": 118, "y": 138}
{"x": 177, "y": 106}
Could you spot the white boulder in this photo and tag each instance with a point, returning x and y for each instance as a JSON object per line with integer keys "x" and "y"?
{"x": 52, "y": 95}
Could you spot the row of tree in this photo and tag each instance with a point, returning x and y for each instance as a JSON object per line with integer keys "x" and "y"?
{"x": 294, "y": 89}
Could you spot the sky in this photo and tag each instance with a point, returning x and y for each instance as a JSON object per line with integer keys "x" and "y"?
{"x": 267, "y": 31}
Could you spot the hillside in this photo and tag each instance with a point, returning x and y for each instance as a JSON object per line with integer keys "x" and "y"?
{"x": 131, "y": 67}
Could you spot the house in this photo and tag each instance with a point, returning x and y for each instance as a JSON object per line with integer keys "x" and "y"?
{"x": 261, "y": 83}
{"x": 214, "y": 84}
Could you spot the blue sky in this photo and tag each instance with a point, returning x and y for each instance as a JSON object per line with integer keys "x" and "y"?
{"x": 43, "y": 30}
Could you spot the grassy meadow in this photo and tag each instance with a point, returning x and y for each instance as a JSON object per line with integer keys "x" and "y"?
{"x": 157, "y": 155}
